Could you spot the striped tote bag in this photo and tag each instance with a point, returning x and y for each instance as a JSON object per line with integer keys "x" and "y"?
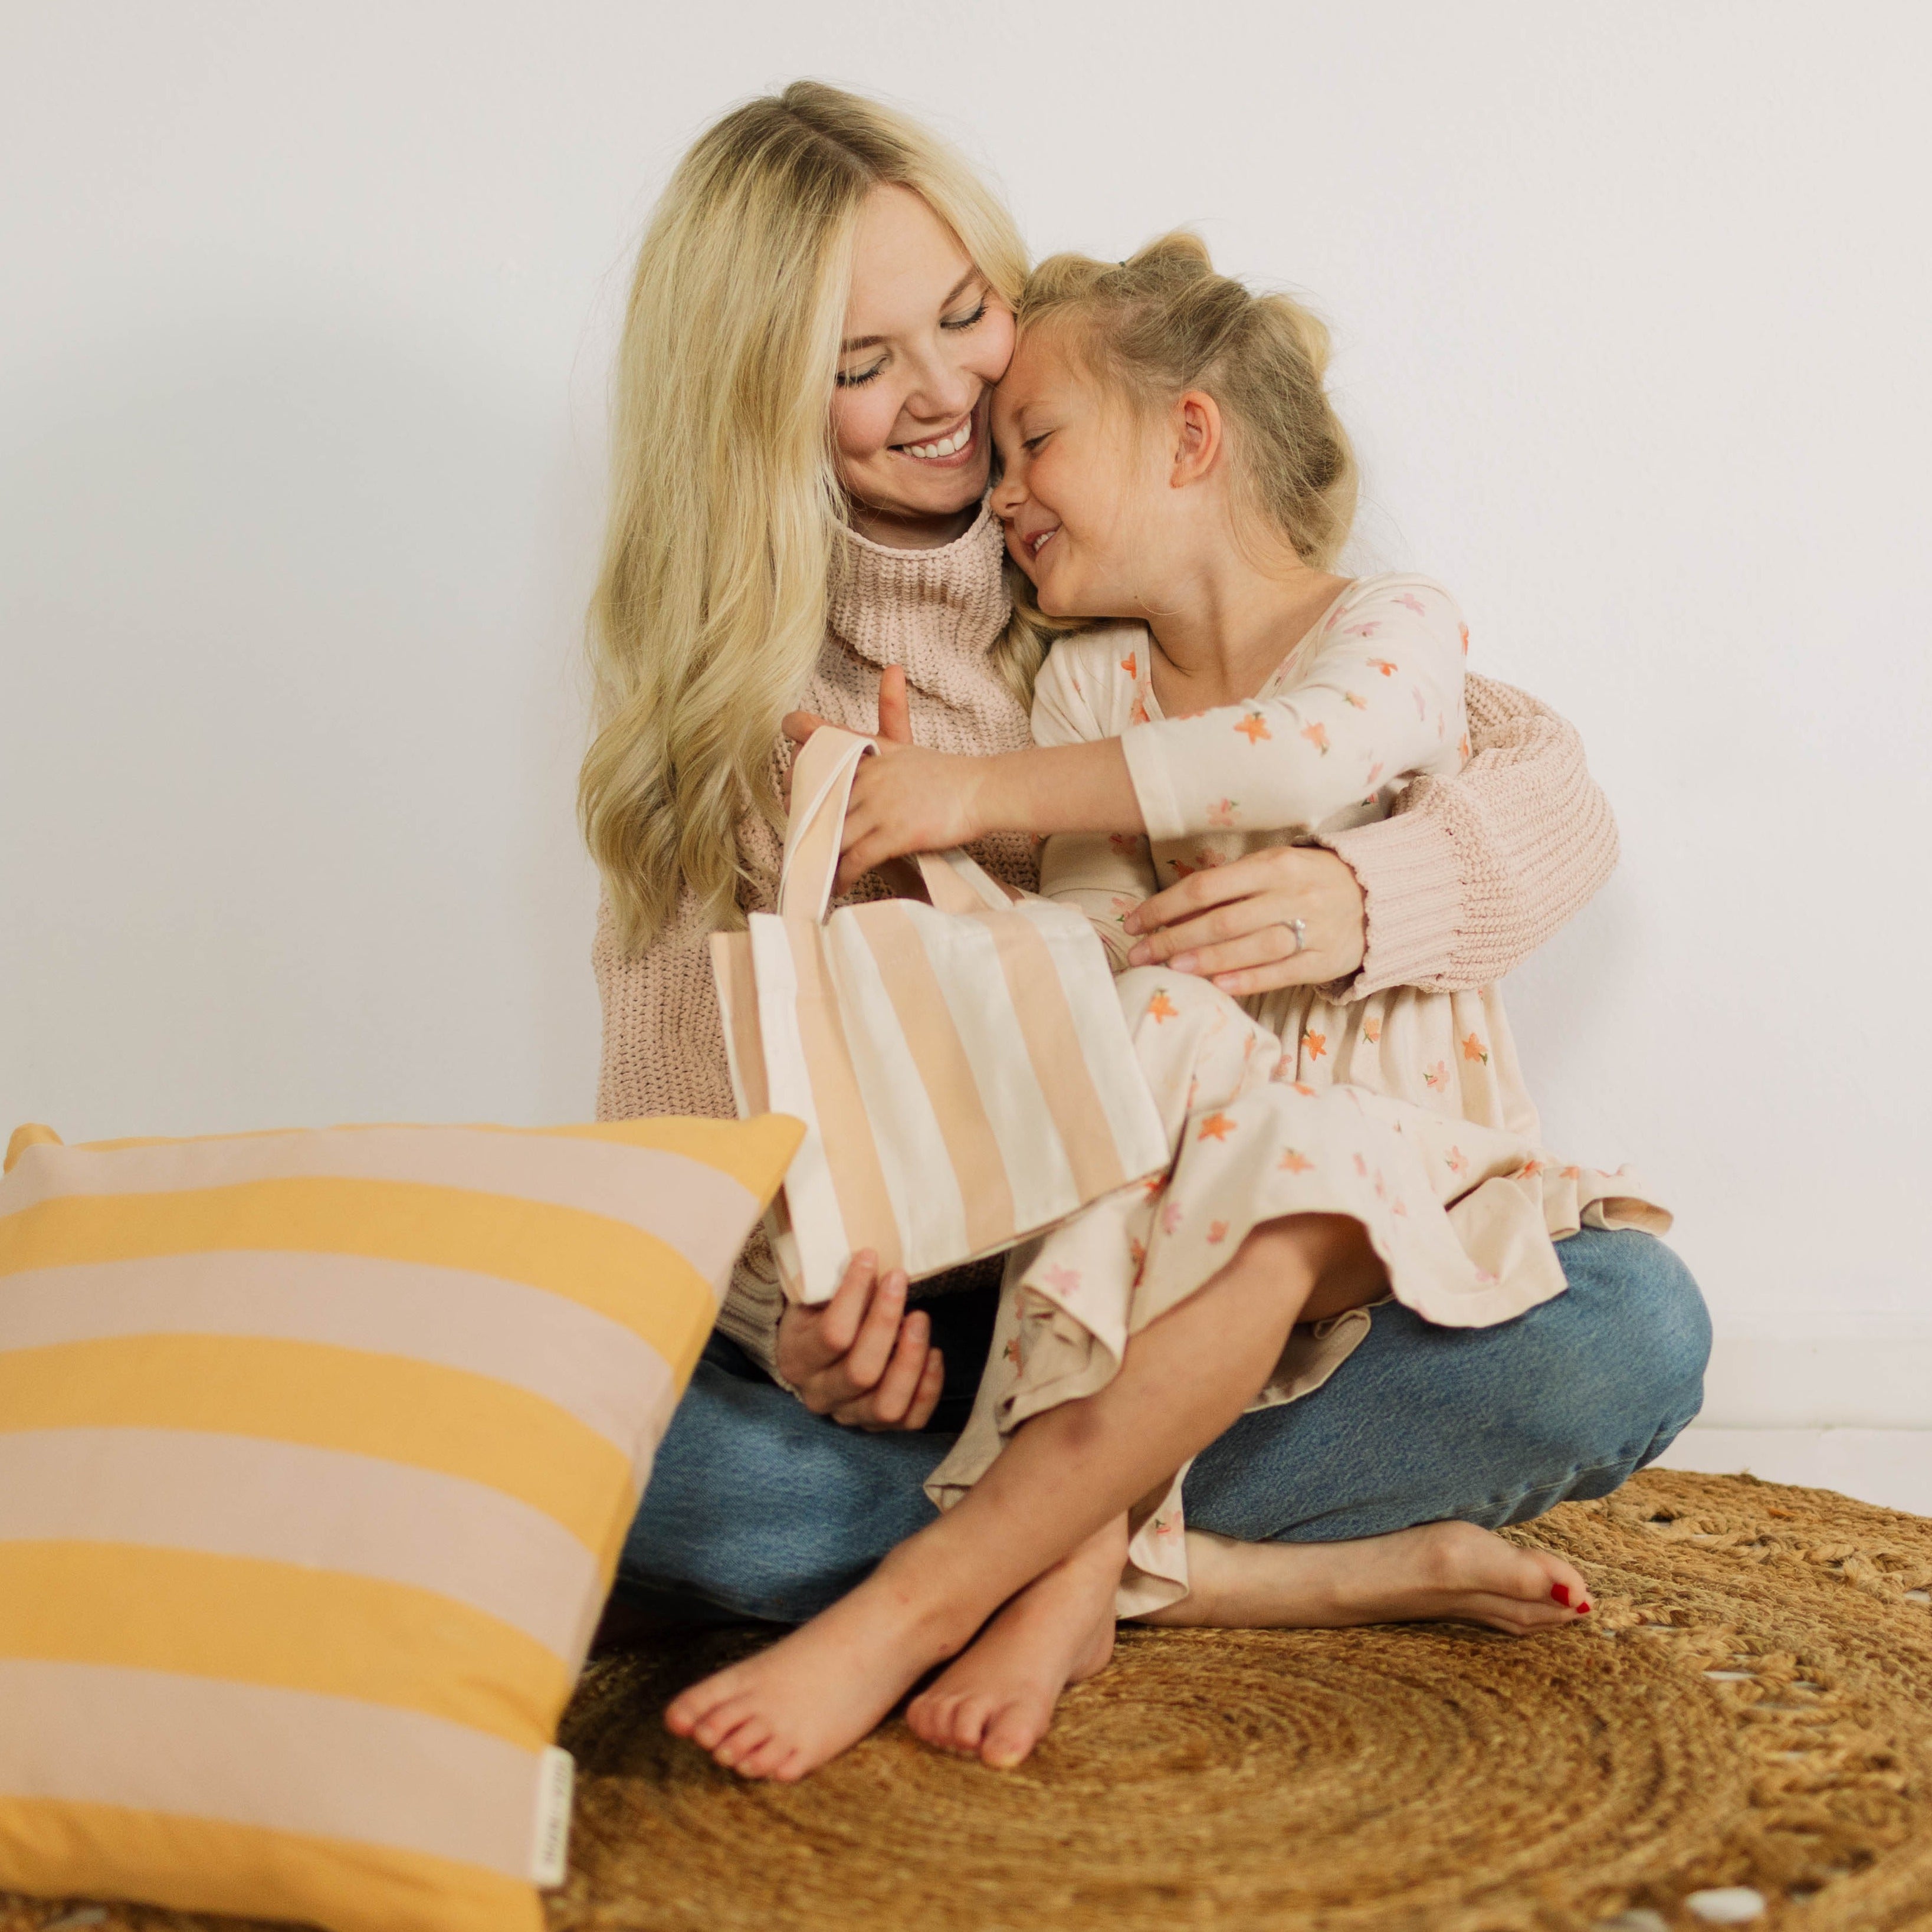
{"x": 962, "y": 1068}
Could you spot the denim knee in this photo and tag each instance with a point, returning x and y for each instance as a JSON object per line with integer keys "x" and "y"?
{"x": 1614, "y": 1384}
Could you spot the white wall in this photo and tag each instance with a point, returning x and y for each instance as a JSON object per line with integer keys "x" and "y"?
{"x": 306, "y": 311}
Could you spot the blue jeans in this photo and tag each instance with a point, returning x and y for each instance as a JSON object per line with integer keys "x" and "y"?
{"x": 759, "y": 1508}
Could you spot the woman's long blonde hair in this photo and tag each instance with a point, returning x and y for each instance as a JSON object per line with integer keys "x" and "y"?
{"x": 1163, "y": 322}
{"x": 709, "y": 609}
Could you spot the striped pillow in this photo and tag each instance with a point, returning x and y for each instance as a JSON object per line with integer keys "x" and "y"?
{"x": 316, "y": 1451}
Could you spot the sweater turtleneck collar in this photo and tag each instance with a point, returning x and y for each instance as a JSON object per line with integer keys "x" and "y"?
{"x": 935, "y": 612}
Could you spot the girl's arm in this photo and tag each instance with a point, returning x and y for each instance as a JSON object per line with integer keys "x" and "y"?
{"x": 1379, "y": 696}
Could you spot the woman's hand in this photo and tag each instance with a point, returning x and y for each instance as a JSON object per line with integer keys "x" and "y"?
{"x": 1230, "y": 923}
{"x": 859, "y": 1358}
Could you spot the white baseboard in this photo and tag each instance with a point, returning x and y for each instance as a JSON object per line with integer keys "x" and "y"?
{"x": 1890, "y": 1466}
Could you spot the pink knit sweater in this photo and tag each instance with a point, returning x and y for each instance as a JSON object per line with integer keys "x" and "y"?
{"x": 1469, "y": 876}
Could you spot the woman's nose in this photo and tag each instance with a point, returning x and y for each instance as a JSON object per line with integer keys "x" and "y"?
{"x": 944, "y": 389}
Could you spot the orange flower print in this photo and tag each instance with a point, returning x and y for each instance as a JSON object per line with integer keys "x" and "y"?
{"x": 1436, "y": 1076}
{"x": 1464, "y": 630}
{"x": 1307, "y": 1092}
{"x": 1131, "y": 664}
{"x": 1573, "y": 1174}
{"x": 1361, "y": 1167}
{"x": 1216, "y": 1127}
{"x": 1315, "y": 1044}
{"x": 1372, "y": 1030}
{"x": 1139, "y": 715}
{"x": 1410, "y": 601}
{"x": 1120, "y": 908}
{"x": 1170, "y": 1217}
{"x": 1127, "y": 844}
{"x": 1457, "y": 1161}
{"x": 1366, "y": 630}
{"x": 1531, "y": 1169}
{"x": 1222, "y": 812}
{"x": 1165, "y": 1525}
{"x": 1473, "y": 1049}
{"x": 1355, "y": 698}
{"x": 1061, "y": 1279}
{"x": 1217, "y": 1233}
{"x": 1317, "y": 735}
{"x": 1160, "y": 1007}
{"x": 1011, "y": 1350}
{"x": 1383, "y": 665}
{"x": 1137, "y": 1253}
{"x": 1079, "y": 690}
{"x": 1253, "y": 727}
{"x": 1154, "y": 1184}
{"x": 1398, "y": 1208}
{"x": 1374, "y": 772}
{"x": 1421, "y": 705}
{"x": 1463, "y": 748}
{"x": 1294, "y": 1161}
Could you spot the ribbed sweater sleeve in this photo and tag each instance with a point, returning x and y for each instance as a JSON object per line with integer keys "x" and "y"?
{"x": 1472, "y": 873}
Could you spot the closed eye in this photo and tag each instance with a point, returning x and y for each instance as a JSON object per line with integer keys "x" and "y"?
{"x": 853, "y": 378}
{"x": 967, "y": 321}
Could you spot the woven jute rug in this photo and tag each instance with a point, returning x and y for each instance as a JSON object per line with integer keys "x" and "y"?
{"x": 1741, "y": 1733}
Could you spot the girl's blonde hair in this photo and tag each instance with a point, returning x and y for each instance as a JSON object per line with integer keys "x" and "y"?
{"x": 709, "y": 608}
{"x": 1163, "y": 322}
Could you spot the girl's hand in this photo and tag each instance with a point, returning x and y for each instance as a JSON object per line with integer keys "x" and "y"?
{"x": 1230, "y": 923}
{"x": 907, "y": 799}
{"x": 859, "y": 1358}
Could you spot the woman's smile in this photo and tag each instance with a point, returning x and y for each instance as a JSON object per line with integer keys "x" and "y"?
{"x": 955, "y": 449}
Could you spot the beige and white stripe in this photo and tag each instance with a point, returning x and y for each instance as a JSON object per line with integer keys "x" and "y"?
{"x": 962, "y": 1068}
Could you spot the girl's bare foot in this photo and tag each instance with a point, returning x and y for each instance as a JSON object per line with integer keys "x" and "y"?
{"x": 998, "y": 1699}
{"x": 1448, "y": 1570}
{"x": 818, "y": 1691}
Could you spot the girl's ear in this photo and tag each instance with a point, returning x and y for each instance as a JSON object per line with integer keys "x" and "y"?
{"x": 1197, "y": 439}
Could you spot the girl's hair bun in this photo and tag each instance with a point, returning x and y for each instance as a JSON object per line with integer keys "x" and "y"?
{"x": 1164, "y": 321}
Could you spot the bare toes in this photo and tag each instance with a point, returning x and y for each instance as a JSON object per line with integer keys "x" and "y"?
{"x": 720, "y": 1721}
{"x": 766, "y": 1759}
{"x": 1010, "y": 1737}
{"x": 731, "y": 1750}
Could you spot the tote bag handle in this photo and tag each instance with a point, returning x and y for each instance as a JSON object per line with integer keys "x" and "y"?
{"x": 821, "y": 787}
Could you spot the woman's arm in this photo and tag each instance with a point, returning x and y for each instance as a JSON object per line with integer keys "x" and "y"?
{"x": 1473, "y": 873}
{"x": 1464, "y": 882}
{"x": 867, "y": 1363}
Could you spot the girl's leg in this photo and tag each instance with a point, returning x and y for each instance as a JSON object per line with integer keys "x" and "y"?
{"x": 1065, "y": 1477}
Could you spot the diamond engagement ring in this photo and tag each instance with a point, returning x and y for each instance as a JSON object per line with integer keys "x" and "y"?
{"x": 1299, "y": 927}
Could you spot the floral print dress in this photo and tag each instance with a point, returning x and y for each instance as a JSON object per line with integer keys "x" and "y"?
{"x": 1404, "y": 1111}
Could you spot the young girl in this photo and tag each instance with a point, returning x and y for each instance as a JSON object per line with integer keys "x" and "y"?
{"x": 1170, "y": 454}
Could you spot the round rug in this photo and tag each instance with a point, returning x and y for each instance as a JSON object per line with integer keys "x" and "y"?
{"x": 1742, "y": 1733}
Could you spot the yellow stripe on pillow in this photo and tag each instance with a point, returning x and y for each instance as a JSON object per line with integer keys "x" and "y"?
{"x": 316, "y": 1452}
{"x": 583, "y": 1258}
{"x": 371, "y": 1404}
{"x": 182, "y": 1611}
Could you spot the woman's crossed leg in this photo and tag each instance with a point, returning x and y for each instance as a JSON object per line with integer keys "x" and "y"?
{"x": 1040, "y": 1534}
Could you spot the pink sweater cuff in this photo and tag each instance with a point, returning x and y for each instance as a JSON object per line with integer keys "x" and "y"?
{"x": 1406, "y": 867}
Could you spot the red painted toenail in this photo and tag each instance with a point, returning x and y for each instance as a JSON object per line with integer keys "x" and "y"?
{"x": 1560, "y": 1592}
{"x": 1583, "y": 1610}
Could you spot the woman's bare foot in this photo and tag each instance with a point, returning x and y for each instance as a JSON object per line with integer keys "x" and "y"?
{"x": 818, "y": 1691}
{"x": 1447, "y": 1570}
{"x": 998, "y": 1698}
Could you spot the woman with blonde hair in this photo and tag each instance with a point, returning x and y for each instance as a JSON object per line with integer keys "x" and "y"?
{"x": 823, "y": 304}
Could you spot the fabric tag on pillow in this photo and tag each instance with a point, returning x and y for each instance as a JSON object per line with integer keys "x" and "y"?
{"x": 556, "y": 1780}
